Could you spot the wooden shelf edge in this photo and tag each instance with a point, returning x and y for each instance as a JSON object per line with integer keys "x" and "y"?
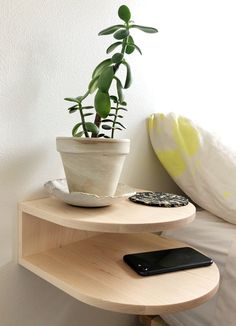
{"x": 112, "y": 285}
{"x": 102, "y": 304}
{"x": 112, "y": 306}
{"x": 137, "y": 218}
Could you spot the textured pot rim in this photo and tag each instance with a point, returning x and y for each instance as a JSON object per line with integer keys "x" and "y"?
{"x": 93, "y": 145}
{"x": 95, "y": 140}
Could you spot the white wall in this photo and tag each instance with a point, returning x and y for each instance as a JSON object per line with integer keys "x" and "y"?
{"x": 48, "y": 49}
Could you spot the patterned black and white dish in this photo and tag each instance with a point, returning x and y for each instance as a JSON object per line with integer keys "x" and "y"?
{"x": 159, "y": 199}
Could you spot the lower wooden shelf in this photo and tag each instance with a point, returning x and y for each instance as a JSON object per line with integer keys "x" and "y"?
{"x": 90, "y": 268}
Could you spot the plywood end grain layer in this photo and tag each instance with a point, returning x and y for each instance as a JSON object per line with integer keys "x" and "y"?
{"x": 123, "y": 217}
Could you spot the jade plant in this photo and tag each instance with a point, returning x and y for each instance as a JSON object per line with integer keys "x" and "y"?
{"x": 109, "y": 105}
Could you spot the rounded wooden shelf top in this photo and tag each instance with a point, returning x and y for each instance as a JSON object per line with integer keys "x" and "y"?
{"x": 93, "y": 271}
{"x": 123, "y": 217}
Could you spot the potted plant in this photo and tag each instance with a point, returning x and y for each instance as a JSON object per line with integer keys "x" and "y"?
{"x": 93, "y": 158}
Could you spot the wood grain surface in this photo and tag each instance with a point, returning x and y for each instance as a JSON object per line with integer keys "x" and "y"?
{"x": 123, "y": 217}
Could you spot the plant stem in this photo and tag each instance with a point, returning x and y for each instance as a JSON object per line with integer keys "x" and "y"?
{"x": 82, "y": 114}
{"x": 83, "y": 121}
{"x": 124, "y": 45}
{"x": 97, "y": 122}
{"x": 114, "y": 121}
{"x": 84, "y": 96}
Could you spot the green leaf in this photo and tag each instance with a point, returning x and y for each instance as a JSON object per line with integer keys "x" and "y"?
{"x": 91, "y": 127}
{"x": 73, "y": 108}
{"x": 124, "y": 13}
{"x": 100, "y": 67}
{"x": 120, "y": 116}
{"x": 137, "y": 48}
{"x": 71, "y": 99}
{"x": 120, "y": 124}
{"x": 145, "y": 28}
{"x": 88, "y": 114}
{"x": 110, "y": 30}
{"x": 87, "y": 107}
{"x": 119, "y": 89}
{"x": 130, "y": 45}
{"x": 117, "y": 128}
{"x": 93, "y": 85}
{"x": 130, "y": 40}
{"x": 124, "y": 109}
{"x": 114, "y": 98}
{"x": 105, "y": 79}
{"x": 75, "y": 129}
{"x": 117, "y": 57}
{"x": 107, "y": 120}
{"x": 113, "y": 46}
{"x": 102, "y": 104}
{"x": 121, "y": 34}
{"x": 123, "y": 103}
{"x": 129, "y": 49}
{"x": 106, "y": 127}
{"x": 79, "y": 134}
{"x": 128, "y": 80}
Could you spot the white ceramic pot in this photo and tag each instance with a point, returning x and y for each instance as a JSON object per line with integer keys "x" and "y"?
{"x": 93, "y": 165}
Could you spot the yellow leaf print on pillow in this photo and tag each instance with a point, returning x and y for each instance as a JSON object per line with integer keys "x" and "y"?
{"x": 227, "y": 194}
{"x": 172, "y": 161}
{"x": 186, "y": 136}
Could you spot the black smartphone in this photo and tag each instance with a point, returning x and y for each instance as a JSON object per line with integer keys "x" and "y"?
{"x": 166, "y": 261}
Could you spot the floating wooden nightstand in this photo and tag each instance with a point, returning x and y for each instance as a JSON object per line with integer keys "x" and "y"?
{"x": 80, "y": 250}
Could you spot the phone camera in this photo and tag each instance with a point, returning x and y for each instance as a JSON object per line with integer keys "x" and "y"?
{"x": 143, "y": 267}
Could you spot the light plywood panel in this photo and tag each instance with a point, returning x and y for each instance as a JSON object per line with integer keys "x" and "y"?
{"x": 123, "y": 217}
{"x": 92, "y": 270}
{"x": 39, "y": 235}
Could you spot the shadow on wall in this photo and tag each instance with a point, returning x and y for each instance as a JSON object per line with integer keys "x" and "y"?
{"x": 46, "y": 305}
{"x": 142, "y": 168}
{"x": 19, "y": 182}
{"x": 18, "y": 170}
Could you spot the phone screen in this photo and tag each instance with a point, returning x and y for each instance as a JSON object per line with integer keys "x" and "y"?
{"x": 165, "y": 261}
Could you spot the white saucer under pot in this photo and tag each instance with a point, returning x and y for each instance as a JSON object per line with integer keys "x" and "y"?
{"x": 58, "y": 188}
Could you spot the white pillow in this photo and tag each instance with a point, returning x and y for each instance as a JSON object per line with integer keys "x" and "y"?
{"x": 201, "y": 166}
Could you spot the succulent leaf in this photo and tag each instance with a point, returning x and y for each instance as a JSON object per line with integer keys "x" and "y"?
{"x": 79, "y": 134}
{"x": 119, "y": 89}
{"x": 121, "y": 34}
{"x": 105, "y": 79}
{"x": 93, "y": 85}
{"x": 75, "y": 129}
{"x": 113, "y": 46}
{"x": 145, "y": 29}
{"x": 91, "y": 127}
{"x": 100, "y": 67}
{"x": 110, "y": 30}
{"x": 124, "y": 13}
{"x": 102, "y": 104}
{"x": 117, "y": 57}
{"x": 128, "y": 80}
{"x": 106, "y": 127}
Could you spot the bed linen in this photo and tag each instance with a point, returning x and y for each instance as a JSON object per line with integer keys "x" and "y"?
{"x": 199, "y": 163}
{"x": 217, "y": 239}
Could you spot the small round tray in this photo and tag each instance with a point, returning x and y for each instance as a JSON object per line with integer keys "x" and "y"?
{"x": 159, "y": 199}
